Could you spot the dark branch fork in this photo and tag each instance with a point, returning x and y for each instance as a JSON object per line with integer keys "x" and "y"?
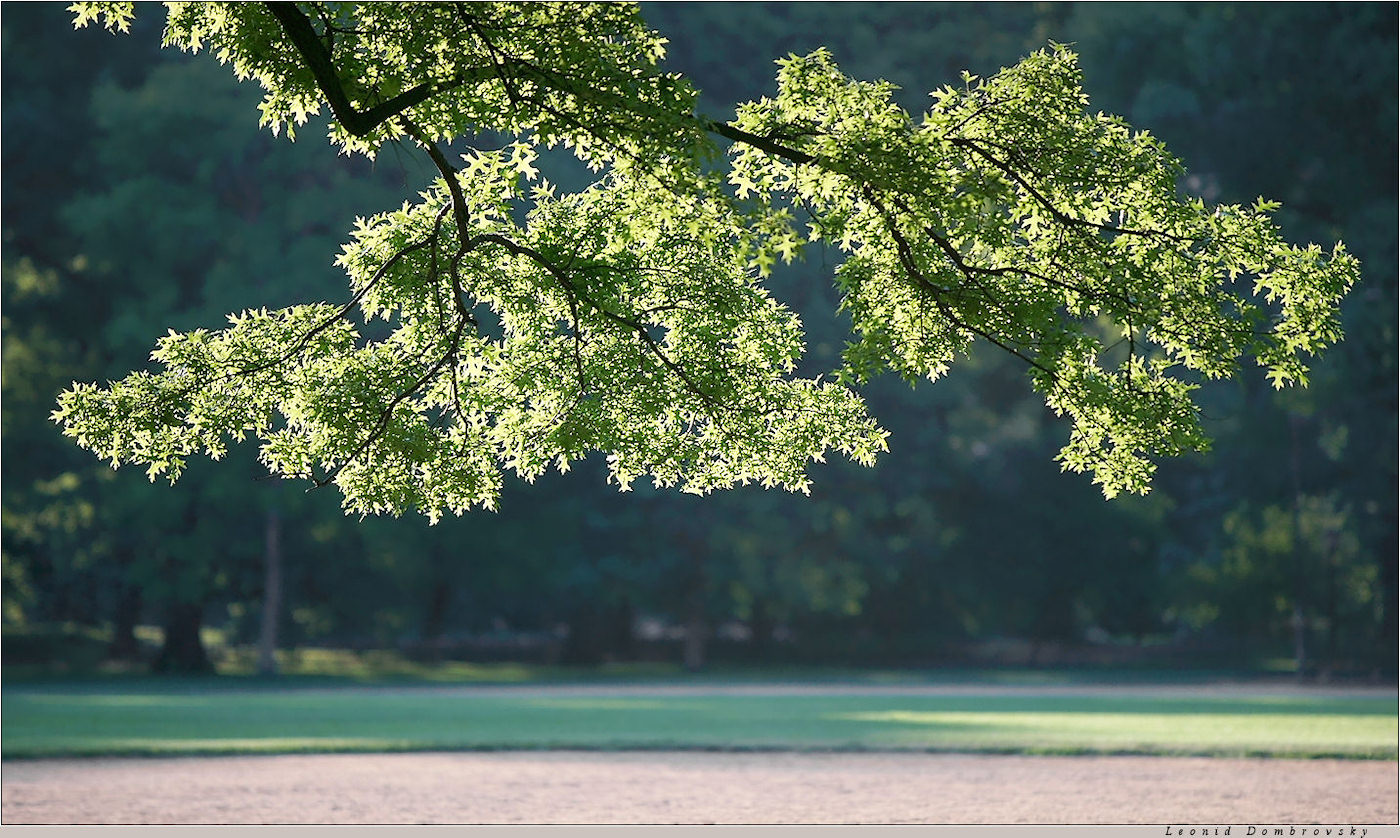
{"x": 360, "y": 123}
{"x": 314, "y": 52}
{"x": 571, "y": 291}
{"x": 319, "y": 59}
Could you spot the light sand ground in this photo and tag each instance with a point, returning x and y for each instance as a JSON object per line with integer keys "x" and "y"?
{"x": 661, "y": 787}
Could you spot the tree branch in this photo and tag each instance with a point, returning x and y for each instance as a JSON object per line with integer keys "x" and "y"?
{"x": 387, "y": 413}
{"x": 299, "y": 31}
{"x": 762, "y": 143}
{"x": 1040, "y": 198}
{"x": 561, "y": 277}
{"x": 906, "y": 258}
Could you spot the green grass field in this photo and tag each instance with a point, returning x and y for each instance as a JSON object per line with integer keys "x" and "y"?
{"x": 242, "y": 716}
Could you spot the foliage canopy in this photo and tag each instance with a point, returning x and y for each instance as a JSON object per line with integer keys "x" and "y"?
{"x": 528, "y": 327}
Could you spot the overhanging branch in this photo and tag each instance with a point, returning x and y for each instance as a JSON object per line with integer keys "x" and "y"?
{"x": 319, "y": 61}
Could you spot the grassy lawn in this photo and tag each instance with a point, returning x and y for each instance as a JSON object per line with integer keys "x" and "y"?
{"x": 245, "y": 716}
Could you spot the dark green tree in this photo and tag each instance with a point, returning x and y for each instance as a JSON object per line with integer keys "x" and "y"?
{"x": 915, "y": 553}
{"x": 241, "y": 217}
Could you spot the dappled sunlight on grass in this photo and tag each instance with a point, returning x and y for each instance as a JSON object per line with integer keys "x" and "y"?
{"x": 231, "y": 717}
{"x": 389, "y": 665}
{"x": 376, "y": 664}
{"x": 1137, "y": 731}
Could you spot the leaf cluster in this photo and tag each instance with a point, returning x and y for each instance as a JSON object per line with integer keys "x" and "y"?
{"x": 528, "y": 328}
{"x": 1012, "y": 214}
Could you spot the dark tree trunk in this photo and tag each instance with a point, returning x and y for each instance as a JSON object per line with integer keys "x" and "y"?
{"x": 621, "y": 644}
{"x": 126, "y": 614}
{"x": 272, "y": 596}
{"x": 761, "y": 629}
{"x": 693, "y": 654}
{"x": 696, "y": 627}
{"x": 1385, "y": 652}
{"x": 124, "y": 646}
{"x": 435, "y": 621}
{"x": 183, "y": 651}
{"x": 1300, "y": 583}
{"x": 692, "y": 538}
{"x": 1331, "y": 603}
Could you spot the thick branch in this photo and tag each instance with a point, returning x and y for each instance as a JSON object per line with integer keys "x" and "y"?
{"x": 303, "y": 36}
{"x": 762, "y": 143}
{"x": 319, "y": 61}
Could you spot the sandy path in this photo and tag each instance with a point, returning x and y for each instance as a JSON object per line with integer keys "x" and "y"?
{"x": 581, "y": 787}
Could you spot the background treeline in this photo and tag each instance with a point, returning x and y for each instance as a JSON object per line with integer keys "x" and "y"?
{"x": 139, "y": 195}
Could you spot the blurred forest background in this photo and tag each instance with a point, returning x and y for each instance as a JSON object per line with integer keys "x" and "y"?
{"x": 140, "y": 195}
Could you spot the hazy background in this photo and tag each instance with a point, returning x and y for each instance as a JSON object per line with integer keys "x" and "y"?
{"x": 140, "y": 195}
